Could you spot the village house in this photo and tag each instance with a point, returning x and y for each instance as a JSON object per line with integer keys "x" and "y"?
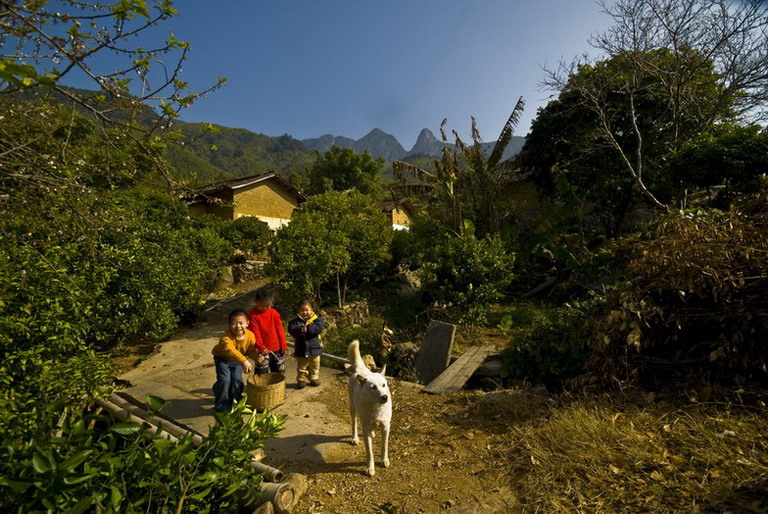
{"x": 268, "y": 197}
{"x": 399, "y": 212}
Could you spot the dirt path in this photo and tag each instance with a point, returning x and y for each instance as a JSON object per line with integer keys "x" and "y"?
{"x": 444, "y": 451}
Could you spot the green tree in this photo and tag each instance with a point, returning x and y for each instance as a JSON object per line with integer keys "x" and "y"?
{"x": 564, "y": 155}
{"x": 306, "y": 254}
{"x": 336, "y": 238}
{"x": 367, "y": 230}
{"x": 728, "y": 155}
{"x": 593, "y": 142}
{"x": 672, "y": 69}
{"x": 341, "y": 169}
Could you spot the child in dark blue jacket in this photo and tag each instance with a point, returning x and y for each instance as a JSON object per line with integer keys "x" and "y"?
{"x": 306, "y": 329}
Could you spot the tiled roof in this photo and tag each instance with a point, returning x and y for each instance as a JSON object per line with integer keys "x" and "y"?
{"x": 242, "y": 182}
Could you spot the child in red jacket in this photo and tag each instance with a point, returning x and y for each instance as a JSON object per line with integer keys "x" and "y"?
{"x": 265, "y": 321}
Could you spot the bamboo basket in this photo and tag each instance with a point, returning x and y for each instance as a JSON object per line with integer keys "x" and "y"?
{"x": 263, "y": 392}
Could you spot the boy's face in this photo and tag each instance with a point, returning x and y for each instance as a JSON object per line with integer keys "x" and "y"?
{"x": 305, "y": 311}
{"x": 237, "y": 326}
{"x": 262, "y": 305}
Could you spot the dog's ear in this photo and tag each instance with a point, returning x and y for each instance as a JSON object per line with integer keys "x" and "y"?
{"x": 383, "y": 370}
{"x": 361, "y": 380}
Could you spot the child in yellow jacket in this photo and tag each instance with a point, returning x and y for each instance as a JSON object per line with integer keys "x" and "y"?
{"x": 230, "y": 357}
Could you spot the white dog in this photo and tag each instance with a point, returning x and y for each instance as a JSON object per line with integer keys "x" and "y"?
{"x": 370, "y": 401}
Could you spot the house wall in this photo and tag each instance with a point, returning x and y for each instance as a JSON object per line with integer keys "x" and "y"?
{"x": 399, "y": 217}
{"x": 225, "y": 209}
{"x": 222, "y": 209}
{"x": 267, "y": 200}
{"x": 197, "y": 209}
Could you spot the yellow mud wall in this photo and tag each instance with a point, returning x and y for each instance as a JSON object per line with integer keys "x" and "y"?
{"x": 399, "y": 217}
{"x": 267, "y": 200}
{"x": 223, "y": 208}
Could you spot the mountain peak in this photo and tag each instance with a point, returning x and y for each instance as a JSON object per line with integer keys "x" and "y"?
{"x": 427, "y": 144}
{"x": 380, "y": 144}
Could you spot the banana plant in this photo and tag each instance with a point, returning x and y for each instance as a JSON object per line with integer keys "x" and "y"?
{"x": 466, "y": 184}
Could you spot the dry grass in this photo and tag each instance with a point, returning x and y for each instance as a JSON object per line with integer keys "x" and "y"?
{"x": 593, "y": 457}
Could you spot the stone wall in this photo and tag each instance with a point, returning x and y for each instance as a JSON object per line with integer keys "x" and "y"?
{"x": 248, "y": 271}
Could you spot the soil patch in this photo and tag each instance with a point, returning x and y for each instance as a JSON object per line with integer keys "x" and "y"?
{"x": 445, "y": 451}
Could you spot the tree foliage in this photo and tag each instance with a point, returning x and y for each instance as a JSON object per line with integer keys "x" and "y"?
{"x": 614, "y": 139}
{"x": 211, "y": 153}
{"x": 566, "y": 158}
{"x": 48, "y": 42}
{"x": 725, "y": 155}
{"x": 672, "y": 69}
{"x": 336, "y": 238}
{"x": 341, "y": 169}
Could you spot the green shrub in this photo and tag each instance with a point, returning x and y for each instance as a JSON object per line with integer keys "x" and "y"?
{"x": 467, "y": 275}
{"x": 31, "y": 380}
{"x": 335, "y": 342}
{"x": 549, "y": 346}
{"x": 91, "y": 462}
{"x": 248, "y": 234}
{"x": 100, "y": 268}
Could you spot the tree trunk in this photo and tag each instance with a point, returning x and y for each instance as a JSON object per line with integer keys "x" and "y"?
{"x": 338, "y": 290}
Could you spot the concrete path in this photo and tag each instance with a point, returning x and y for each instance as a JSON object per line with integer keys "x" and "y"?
{"x": 182, "y": 373}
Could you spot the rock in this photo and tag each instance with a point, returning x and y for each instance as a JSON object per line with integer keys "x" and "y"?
{"x": 489, "y": 384}
{"x": 248, "y": 271}
{"x": 299, "y": 483}
{"x": 369, "y": 362}
{"x": 404, "y": 353}
{"x": 224, "y": 279}
{"x": 490, "y": 368}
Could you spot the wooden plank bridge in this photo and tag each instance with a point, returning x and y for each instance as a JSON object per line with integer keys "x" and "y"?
{"x": 457, "y": 374}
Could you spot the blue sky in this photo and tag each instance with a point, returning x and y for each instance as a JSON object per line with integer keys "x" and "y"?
{"x": 309, "y": 67}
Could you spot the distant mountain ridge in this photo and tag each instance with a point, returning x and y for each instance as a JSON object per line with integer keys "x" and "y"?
{"x": 380, "y": 144}
{"x": 227, "y": 153}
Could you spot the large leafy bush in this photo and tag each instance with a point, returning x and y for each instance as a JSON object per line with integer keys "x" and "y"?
{"x": 548, "y": 346}
{"x": 103, "y": 268}
{"x": 465, "y": 275}
{"x": 87, "y": 462}
{"x": 694, "y": 307}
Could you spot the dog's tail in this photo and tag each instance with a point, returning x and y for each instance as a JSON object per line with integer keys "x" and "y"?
{"x": 353, "y": 352}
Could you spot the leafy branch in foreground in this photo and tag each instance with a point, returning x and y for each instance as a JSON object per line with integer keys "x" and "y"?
{"x": 44, "y": 45}
{"x": 87, "y": 461}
